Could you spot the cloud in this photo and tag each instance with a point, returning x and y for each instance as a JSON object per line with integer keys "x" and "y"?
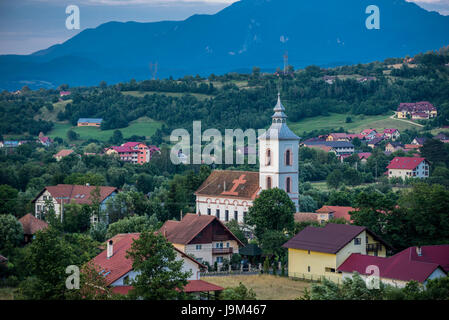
{"x": 441, "y": 6}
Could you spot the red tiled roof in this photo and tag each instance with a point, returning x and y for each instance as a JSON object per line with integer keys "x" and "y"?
{"x": 192, "y": 286}
{"x": 337, "y": 211}
{"x": 407, "y": 163}
{"x": 201, "y": 286}
{"x": 405, "y": 265}
{"x": 364, "y": 155}
{"x": 31, "y": 224}
{"x": 390, "y": 130}
{"x": 63, "y": 153}
{"x": 184, "y": 231}
{"x": 3, "y": 259}
{"x": 76, "y": 193}
{"x": 231, "y": 184}
{"x": 305, "y": 216}
{"x": 118, "y": 265}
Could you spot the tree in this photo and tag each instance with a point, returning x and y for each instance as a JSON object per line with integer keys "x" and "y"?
{"x": 135, "y": 224}
{"x": 11, "y": 233}
{"x": 272, "y": 241}
{"x": 49, "y": 257}
{"x": 307, "y": 204}
{"x": 160, "y": 275}
{"x": 335, "y": 179}
{"x": 237, "y": 230}
{"x": 76, "y": 217}
{"x": 117, "y": 137}
{"x": 272, "y": 210}
{"x": 72, "y": 135}
{"x": 238, "y": 293}
{"x": 8, "y": 197}
{"x": 93, "y": 285}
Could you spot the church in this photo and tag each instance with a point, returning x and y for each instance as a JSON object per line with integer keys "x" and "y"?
{"x": 228, "y": 195}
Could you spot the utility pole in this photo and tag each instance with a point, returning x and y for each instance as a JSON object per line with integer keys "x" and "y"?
{"x": 285, "y": 62}
{"x": 62, "y": 206}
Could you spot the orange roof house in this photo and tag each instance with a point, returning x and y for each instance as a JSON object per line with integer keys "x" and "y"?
{"x": 31, "y": 225}
{"x": 118, "y": 272}
{"x": 204, "y": 236}
{"x": 335, "y": 212}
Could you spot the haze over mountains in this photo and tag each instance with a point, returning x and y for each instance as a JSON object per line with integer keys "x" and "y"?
{"x": 245, "y": 34}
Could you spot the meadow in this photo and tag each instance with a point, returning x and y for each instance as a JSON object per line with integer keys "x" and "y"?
{"x": 266, "y": 287}
{"x": 141, "y": 127}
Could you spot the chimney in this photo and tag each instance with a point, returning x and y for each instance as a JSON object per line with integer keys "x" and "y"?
{"x": 180, "y": 215}
{"x": 419, "y": 251}
{"x": 87, "y": 184}
{"x": 110, "y": 249}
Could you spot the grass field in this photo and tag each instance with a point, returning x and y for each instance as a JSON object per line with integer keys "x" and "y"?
{"x": 266, "y": 287}
{"x": 7, "y": 293}
{"x": 359, "y": 122}
{"x": 141, "y": 94}
{"x": 142, "y": 127}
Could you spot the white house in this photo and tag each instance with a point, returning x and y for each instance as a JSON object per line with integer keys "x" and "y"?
{"x": 408, "y": 167}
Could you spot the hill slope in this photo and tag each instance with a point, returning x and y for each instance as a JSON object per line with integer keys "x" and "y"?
{"x": 245, "y": 34}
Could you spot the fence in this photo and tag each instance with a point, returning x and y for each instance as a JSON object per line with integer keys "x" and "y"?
{"x": 248, "y": 270}
{"x": 315, "y": 277}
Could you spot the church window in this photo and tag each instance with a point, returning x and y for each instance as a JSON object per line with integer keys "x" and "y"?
{"x": 288, "y": 157}
{"x": 268, "y": 182}
{"x": 288, "y": 183}
{"x": 268, "y": 160}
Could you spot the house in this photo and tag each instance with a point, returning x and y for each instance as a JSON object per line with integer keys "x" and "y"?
{"x": 408, "y": 167}
{"x": 63, "y": 153}
{"x": 338, "y": 137}
{"x": 368, "y": 134}
{"x": 67, "y": 193}
{"x": 338, "y": 147}
{"x": 363, "y": 156}
{"x": 373, "y": 143}
{"x": 325, "y": 213}
{"x": 414, "y": 263}
{"x": 392, "y": 134}
{"x": 118, "y": 271}
{"x": 442, "y": 137}
{"x": 45, "y": 141}
{"x": 419, "y": 141}
{"x": 203, "y": 236}
{"x": 417, "y": 110}
{"x": 89, "y": 122}
{"x": 64, "y": 93}
{"x": 366, "y": 79}
{"x": 318, "y": 251}
{"x": 329, "y": 79}
{"x": 10, "y": 144}
{"x": 305, "y": 217}
{"x": 229, "y": 194}
{"x": 31, "y": 225}
{"x": 392, "y": 147}
{"x": 134, "y": 152}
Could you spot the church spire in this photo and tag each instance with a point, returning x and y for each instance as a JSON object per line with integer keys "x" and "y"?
{"x": 279, "y": 116}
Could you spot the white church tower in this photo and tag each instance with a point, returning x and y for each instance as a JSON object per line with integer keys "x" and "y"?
{"x": 278, "y": 156}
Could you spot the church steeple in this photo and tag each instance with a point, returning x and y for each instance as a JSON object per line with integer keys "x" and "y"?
{"x": 279, "y": 116}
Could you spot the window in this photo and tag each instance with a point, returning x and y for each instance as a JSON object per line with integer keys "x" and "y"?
{"x": 219, "y": 259}
{"x": 288, "y": 157}
{"x": 39, "y": 208}
{"x": 308, "y": 268}
{"x": 244, "y": 214}
{"x": 227, "y": 244}
{"x": 219, "y": 245}
{"x": 268, "y": 182}
{"x": 218, "y": 213}
{"x": 268, "y": 160}
{"x": 226, "y": 215}
{"x": 198, "y": 247}
{"x": 236, "y": 215}
{"x": 308, "y": 251}
{"x": 126, "y": 280}
{"x": 288, "y": 184}
{"x": 357, "y": 241}
{"x": 329, "y": 269}
{"x": 208, "y": 211}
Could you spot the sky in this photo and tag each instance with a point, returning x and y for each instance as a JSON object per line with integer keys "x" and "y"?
{"x": 27, "y": 26}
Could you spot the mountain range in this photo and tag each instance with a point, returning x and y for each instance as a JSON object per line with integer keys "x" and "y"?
{"x": 245, "y": 34}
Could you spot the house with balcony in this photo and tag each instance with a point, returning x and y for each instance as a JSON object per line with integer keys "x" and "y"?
{"x": 203, "y": 236}
{"x": 408, "y": 167}
{"x": 318, "y": 252}
{"x": 338, "y": 147}
{"x": 134, "y": 152}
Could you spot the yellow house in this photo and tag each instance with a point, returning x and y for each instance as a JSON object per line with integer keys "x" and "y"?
{"x": 317, "y": 252}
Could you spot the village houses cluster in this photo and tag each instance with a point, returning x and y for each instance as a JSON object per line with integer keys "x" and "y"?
{"x": 334, "y": 251}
